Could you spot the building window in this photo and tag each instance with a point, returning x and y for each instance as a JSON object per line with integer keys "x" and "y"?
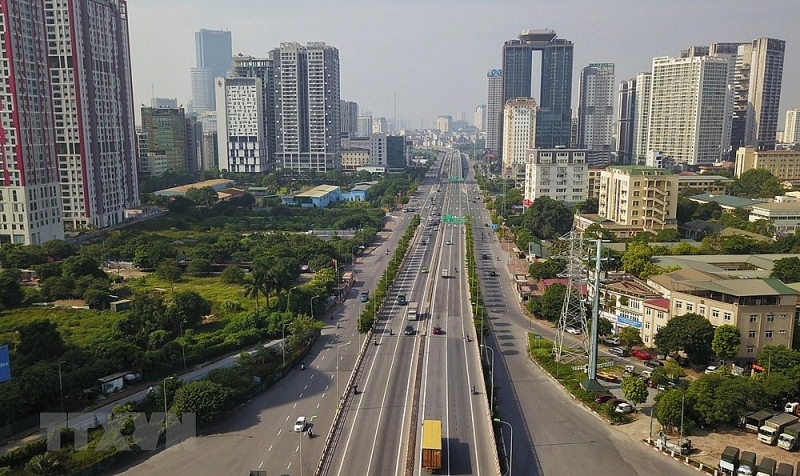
{"x": 715, "y": 313}
{"x": 647, "y": 325}
{"x": 768, "y": 334}
{"x": 751, "y": 334}
{"x": 646, "y": 339}
{"x": 701, "y": 310}
{"x": 661, "y": 314}
{"x": 753, "y": 317}
{"x": 782, "y": 331}
{"x": 770, "y": 317}
{"x": 678, "y": 305}
{"x": 689, "y": 307}
{"x": 727, "y": 316}
{"x": 751, "y": 349}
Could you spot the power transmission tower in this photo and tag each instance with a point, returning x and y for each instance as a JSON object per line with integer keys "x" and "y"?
{"x": 573, "y": 312}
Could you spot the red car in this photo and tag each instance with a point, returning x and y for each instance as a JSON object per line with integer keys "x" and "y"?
{"x": 641, "y": 354}
{"x": 603, "y": 398}
{"x": 437, "y": 330}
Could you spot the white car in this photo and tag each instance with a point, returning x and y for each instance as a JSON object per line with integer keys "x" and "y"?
{"x": 573, "y": 330}
{"x": 624, "y": 408}
{"x": 711, "y": 369}
{"x": 300, "y": 424}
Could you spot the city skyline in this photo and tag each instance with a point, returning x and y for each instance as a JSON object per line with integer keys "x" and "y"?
{"x": 477, "y": 50}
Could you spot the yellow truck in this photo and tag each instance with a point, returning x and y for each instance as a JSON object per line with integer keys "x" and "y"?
{"x": 432, "y": 445}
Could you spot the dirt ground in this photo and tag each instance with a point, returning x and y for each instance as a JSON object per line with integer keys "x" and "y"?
{"x": 126, "y": 273}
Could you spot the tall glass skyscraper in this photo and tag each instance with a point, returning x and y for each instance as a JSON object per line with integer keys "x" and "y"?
{"x": 555, "y": 98}
{"x": 214, "y": 54}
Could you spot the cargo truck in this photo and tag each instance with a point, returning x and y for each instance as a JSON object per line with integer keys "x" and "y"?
{"x": 412, "y": 310}
{"x": 768, "y": 433}
{"x": 784, "y": 470}
{"x": 432, "y": 445}
{"x": 729, "y": 460}
{"x": 747, "y": 464}
{"x": 766, "y": 467}
{"x": 444, "y": 272}
{"x": 755, "y": 420}
{"x": 788, "y": 439}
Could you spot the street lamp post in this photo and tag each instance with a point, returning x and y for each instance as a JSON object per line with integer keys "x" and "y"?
{"x": 491, "y": 391}
{"x": 680, "y": 443}
{"x": 652, "y": 411}
{"x": 339, "y": 395}
{"x": 312, "y": 305}
{"x": 289, "y": 298}
{"x": 510, "y": 445}
{"x": 61, "y": 385}
{"x": 283, "y": 343}
{"x": 164, "y": 388}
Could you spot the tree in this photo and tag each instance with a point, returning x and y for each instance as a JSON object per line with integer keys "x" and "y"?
{"x": 787, "y": 270}
{"x": 251, "y": 290}
{"x": 40, "y": 340}
{"x": 684, "y": 249}
{"x": 11, "y": 294}
{"x": 81, "y": 265}
{"x": 169, "y": 272}
{"x": 58, "y": 249}
{"x": 756, "y": 183}
{"x": 668, "y": 411}
{"x": 545, "y": 269}
{"x": 604, "y": 328}
{"x": 691, "y": 333}
{"x": 547, "y": 218}
{"x": 206, "y": 399}
{"x": 777, "y": 386}
{"x": 634, "y": 389}
{"x": 637, "y": 258}
{"x": 672, "y": 370}
{"x": 549, "y": 305}
{"x": 589, "y": 206}
{"x": 777, "y": 358}
{"x": 96, "y": 298}
{"x": 199, "y": 266}
{"x": 631, "y": 336}
{"x": 202, "y": 196}
{"x": 232, "y": 275}
{"x": 668, "y": 235}
{"x": 727, "y": 339}
{"x": 189, "y": 308}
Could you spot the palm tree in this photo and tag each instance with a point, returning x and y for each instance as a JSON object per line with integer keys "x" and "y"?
{"x": 251, "y": 290}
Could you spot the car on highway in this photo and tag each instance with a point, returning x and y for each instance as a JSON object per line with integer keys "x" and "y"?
{"x": 618, "y": 351}
{"x": 365, "y": 296}
{"x": 401, "y": 299}
{"x": 641, "y": 354}
{"x": 493, "y": 273}
{"x": 484, "y": 256}
{"x": 423, "y": 242}
{"x": 449, "y": 242}
{"x": 300, "y": 424}
{"x": 424, "y": 271}
{"x": 603, "y": 398}
{"x": 437, "y": 330}
{"x": 653, "y": 364}
{"x": 409, "y": 331}
{"x": 573, "y": 331}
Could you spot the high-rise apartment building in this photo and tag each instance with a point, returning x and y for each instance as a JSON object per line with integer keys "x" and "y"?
{"x": 307, "y": 107}
{"x": 163, "y": 102}
{"x": 596, "y": 112}
{"x": 639, "y": 198}
{"x": 555, "y": 98}
{"x": 349, "y": 111}
{"x": 30, "y": 195}
{"x": 561, "y": 174}
{"x": 757, "y": 93}
{"x": 688, "y": 109}
{"x": 480, "y": 118}
{"x": 626, "y": 113}
{"x": 380, "y": 125}
{"x": 519, "y": 132}
{"x": 89, "y": 58}
{"x": 641, "y": 117}
{"x": 494, "y": 108}
{"x": 364, "y": 126}
{"x": 213, "y": 51}
{"x": 263, "y": 69}
{"x": 241, "y": 129}
{"x": 165, "y": 131}
{"x": 791, "y": 131}
{"x": 208, "y": 146}
{"x": 443, "y": 123}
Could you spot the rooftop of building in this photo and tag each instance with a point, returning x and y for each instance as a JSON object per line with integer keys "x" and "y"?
{"x": 775, "y": 152}
{"x": 361, "y": 187}
{"x": 667, "y": 280}
{"x": 317, "y": 192}
{"x": 640, "y": 170}
{"x": 778, "y": 207}
{"x": 631, "y": 287}
{"x": 216, "y": 184}
{"x": 659, "y": 303}
{"x": 689, "y": 176}
{"x": 742, "y": 287}
{"x": 725, "y": 200}
{"x": 740, "y": 266}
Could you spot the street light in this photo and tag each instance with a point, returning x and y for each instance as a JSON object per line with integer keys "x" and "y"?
{"x": 61, "y": 385}
{"x": 283, "y": 343}
{"x": 339, "y": 395}
{"x": 312, "y": 305}
{"x": 491, "y": 391}
{"x": 164, "y": 388}
{"x": 511, "y": 444}
{"x": 289, "y": 298}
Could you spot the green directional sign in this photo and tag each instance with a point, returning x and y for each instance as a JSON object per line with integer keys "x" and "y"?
{"x": 455, "y": 220}
{"x": 456, "y": 179}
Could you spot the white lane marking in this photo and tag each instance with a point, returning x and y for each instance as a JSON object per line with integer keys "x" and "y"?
{"x": 262, "y": 463}
{"x": 270, "y": 449}
{"x": 287, "y": 418}
{"x": 295, "y": 405}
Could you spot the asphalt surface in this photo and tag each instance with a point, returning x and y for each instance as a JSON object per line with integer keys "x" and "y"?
{"x": 375, "y": 435}
{"x": 552, "y": 433}
{"x": 259, "y": 435}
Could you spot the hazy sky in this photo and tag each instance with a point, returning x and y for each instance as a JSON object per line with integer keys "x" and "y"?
{"x": 434, "y": 54}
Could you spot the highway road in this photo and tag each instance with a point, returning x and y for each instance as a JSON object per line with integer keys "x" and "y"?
{"x": 259, "y": 435}
{"x": 374, "y": 439}
{"x": 553, "y": 435}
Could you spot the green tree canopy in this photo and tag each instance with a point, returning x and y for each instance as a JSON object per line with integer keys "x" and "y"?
{"x": 544, "y": 269}
{"x": 668, "y": 411}
{"x": 206, "y": 399}
{"x": 756, "y": 183}
{"x": 787, "y": 270}
{"x": 232, "y": 275}
{"x": 631, "y": 336}
{"x": 634, "y": 389}
{"x": 40, "y": 340}
{"x": 691, "y": 333}
{"x": 727, "y": 339}
{"x": 549, "y": 305}
{"x": 547, "y": 218}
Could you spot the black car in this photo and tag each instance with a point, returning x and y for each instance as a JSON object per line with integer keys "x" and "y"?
{"x": 653, "y": 364}
{"x": 492, "y": 273}
{"x": 409, "y": 331}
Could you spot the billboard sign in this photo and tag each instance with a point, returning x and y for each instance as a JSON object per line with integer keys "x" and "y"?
{"x": 5, "y": 365}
